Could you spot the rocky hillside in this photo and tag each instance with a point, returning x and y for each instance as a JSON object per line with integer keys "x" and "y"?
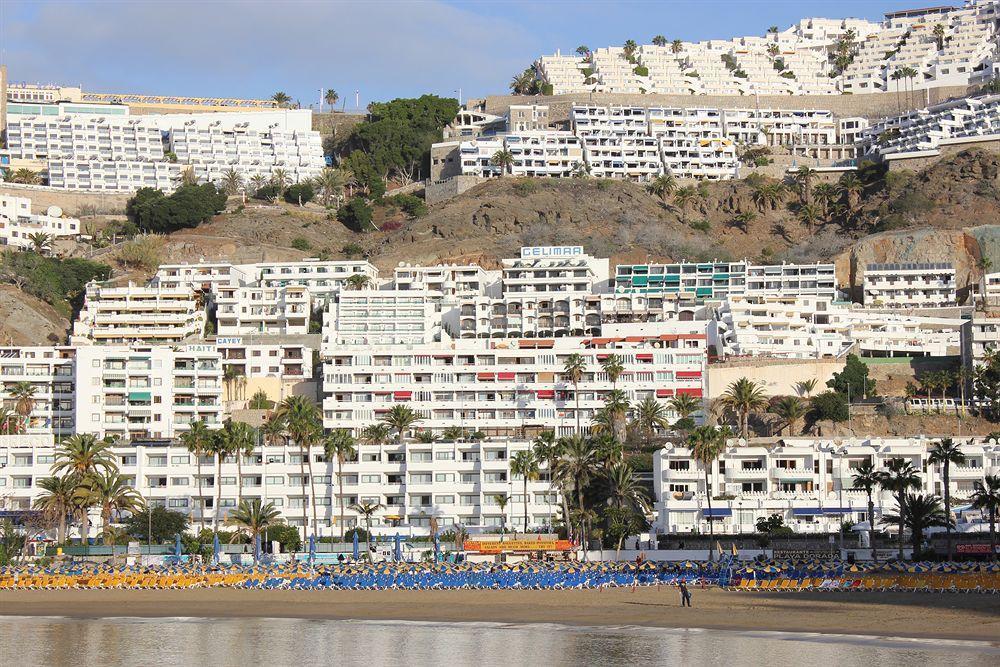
{"x": 29, "y": 321}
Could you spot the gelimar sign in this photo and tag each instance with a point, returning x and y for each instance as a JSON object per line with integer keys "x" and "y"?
{"x": 552, "y": 251}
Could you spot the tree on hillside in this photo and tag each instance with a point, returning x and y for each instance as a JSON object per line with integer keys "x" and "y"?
{"x": 853, "y": 381}
{"x": 331, "y": 96}
{"x": 503, "y": 159}
{"x": 188, "y": 206}
{"x": 663, "y": 186}
{"x": 281, "y": 98}
{"x": 660, "y": 40}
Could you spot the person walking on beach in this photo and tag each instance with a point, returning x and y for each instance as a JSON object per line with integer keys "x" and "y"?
{"x": 685, "y": 595}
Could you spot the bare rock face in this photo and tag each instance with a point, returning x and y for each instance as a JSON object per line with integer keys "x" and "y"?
{"x": 29, "y": 321}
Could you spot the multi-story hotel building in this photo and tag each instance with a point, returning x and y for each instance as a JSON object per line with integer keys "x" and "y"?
{"x": 910, "y": 285}
{"x": 807, "y": 482}
{"x": 138, "y": 314}
{"x": 18, "y": 223}
{"x": 450, "y": 280}
{"x": 51, "y": 372}
{"x": 262, "y": 310}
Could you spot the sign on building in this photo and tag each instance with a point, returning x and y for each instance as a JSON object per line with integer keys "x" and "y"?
{"x": 551, "y": 251}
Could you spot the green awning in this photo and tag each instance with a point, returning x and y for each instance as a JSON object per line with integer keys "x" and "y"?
{"x": 639, "y": 281}
{"x": 140, "y": 396}
{"x": 703, "y": 291}
{"x": 672, "y": 279}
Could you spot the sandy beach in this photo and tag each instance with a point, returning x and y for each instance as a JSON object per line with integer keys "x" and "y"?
{"x": 970, "y": 617}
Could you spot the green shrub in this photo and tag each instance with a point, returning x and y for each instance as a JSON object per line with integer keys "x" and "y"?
{"x": 352, "y": 250}
{"x": 700, "y": 225}
{"x": 269, "y": 192}
{"x": 411, "y": 205}
{"x": 188, "y": 206}
{"x": 525, "y": 186}
{"x": 300, "y": 193}
{"x": 829, "y": 405}
{"x": 356, "y": 215}
{"x": 285, "y": 535}
{"x": 59, "y": 282}
{"x": 300, "y": 243}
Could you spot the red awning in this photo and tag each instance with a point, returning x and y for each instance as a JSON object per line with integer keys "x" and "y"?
{"x": 486, "y": 376}
{"x": 689, "y": 392}
{"x": 644, "y": 357}
{"x": 547, "y": 343}
{"x": 688, "y": 375}
{"x": 602, "y": 356}
{"x": 546, "y": 393}
{"x": 382, "y": 393}
{"x": 664, "y": 393}
{"x": 505, "y": 377}
{"x": 402, "y": 395}
{"x": 635, "y": 339}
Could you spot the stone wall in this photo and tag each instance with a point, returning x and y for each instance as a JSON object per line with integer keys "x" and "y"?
{"x": 70, "y": 201}
{"x": 871, "y": 105}
{"x": 778, "y": 376}
{"x": 925, "y": 159}
{"x": 335, "y": 124}
{"x": 439, "y": 191}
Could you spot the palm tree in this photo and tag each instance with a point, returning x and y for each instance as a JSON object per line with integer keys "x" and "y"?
{"x": 358, "y": 282}
{"x": 257, "y": 181}
{"x": 707, "y": 444}
{"x": 232, "y": 181}
{"x": 986, "y": 496}
{"x": 574, "y": 468}
{"x": 659, "y": 40}
{"x": 898, "y": 478}
{"x": 331, "y": 97}
{"x": 612, "y": 416}
{"x": 663, "y": 186}
{"x": 547, "y": 450}
{"x": 524, "y": 465}
{"x": 280, "y": 180}
{"x": 304, "y": 425}
{"x": 625, "y": 494}
{"x": 613, "y": 367}
{"x": 330, "y": 183}
{"x": 684, "y": 405}
{"x": 251, "y": 518}
{"x": 340, "y": 446}
{"x": 743, "y": 220}
{"x": 852, "y": 188}
{"x": 650, "y": 415}
{"x": 41, "y": 242}
{"x": 803, "y": 178}
{"x": 239, "y": 439}
{"x": 81, "y": 456}
{"x": 768, "y": 194}
{"x": 218, "y": 448}
{"x": 58, "y": 500}
{"x": 188, "y": 177}
{"x": 503, "y": 159}
{"x": 946, "y": 451}
{"x": 918, "y": 513}
{"x": 400, "y": 418}
{"x": 866, "y": 478}
{"x": 676, "y": 46}
{"x": 376, "y": 435}
{"x": 23, "y": 393}
{"x": 790, "y": 410}
{"x": 10, "y": 422}
{"x": 197, "y": 439}
{"x": 744, "y": 396}
{"x": 501, "y": 500}
{"x": 684, "y": 196}
{"x": 367, "y": 510}
{"x": 629, "y": 49}
{"x": 824, "y": 194}
{"x": 806, "y": 387}
{"x": 281, "y": 98}
{"x": 573, "y": 370}
{"x": 521, "y": 84}
{"x": 808, "y": 214}
{"x": 112, "y": 493}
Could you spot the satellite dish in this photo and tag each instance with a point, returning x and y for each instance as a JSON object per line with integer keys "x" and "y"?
{"x": 54, "y": 211}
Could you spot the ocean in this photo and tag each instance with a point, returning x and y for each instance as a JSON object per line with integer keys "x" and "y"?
{"x": 66, "y": 642}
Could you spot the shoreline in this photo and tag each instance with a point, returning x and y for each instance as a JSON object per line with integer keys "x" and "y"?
{"x": 971, "y": 617}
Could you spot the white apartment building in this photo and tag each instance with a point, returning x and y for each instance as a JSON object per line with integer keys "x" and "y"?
{"x": 204, "y": 277}
{"x": 807, "y": 482}
{"x": 476, "y": 157}
{"x": 451, "y": 280}
{"x": 382, "y": 317}
{"x": 138, "y": 314}
{"x": 926, "y": 131}
{"x": 910, "y": 285}
{"x": 85, "y": 137}
{"x": 807, "y": 327}
{"x": 262, "y": 310}
{"x": 323, "y": 278}
{"x": 546, "y": 269}
{"x": 18, "y": 223}
{"x": 454, "y": 482}
{"x": 51, "y": 371}
{"x": 981, "y": 335}
{"x": 281, "y": 357}
{"x": 553, "y": 154}
{"x": 74, "y": 173}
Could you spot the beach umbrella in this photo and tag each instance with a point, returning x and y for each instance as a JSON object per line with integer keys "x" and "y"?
{"x": 216, "y": 549}
{"x": 312, "y": 549}
{"x": 355, "y": 544}
{"x": 398, "y": 551}
{"x": 437, "y": 547}
{"x": 256, "y": 547}
{"x": 177, "y": 545}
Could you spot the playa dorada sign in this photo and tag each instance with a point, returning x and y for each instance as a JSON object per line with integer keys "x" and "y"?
{"x": 496, "y": 546}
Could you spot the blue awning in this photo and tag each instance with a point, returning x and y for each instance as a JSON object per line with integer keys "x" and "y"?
{"x": 839, "y": 510}
{"x": 806, "y": 511}
{"x": 717, "y": 512}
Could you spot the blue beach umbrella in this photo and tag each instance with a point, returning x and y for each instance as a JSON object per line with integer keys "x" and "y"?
{"x": 398, "y": 552}
{"x": 256, "y": 547}
{"x": 216, "y": 549}
{"x": 355, "y": 545}
{"x": 177, "y": 545}
{"x": 437, "y": 547}
{"x": 312, "y": 549}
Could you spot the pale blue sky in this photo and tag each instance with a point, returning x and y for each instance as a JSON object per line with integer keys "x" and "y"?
{"x": 384, "y": 48}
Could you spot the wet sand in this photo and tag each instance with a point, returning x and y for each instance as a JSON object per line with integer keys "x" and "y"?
{"x": 923, "y": 615}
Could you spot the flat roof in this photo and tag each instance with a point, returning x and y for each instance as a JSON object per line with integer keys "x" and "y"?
{"x": 912, "y": 266}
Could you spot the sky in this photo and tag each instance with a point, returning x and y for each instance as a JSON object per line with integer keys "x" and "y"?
{"x": 380, "y": 48}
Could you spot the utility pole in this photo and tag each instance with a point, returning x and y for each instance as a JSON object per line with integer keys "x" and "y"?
{"x": 459, "y": 91}
{"x": 321, "y": 100}
{"x": 357, "y": 100}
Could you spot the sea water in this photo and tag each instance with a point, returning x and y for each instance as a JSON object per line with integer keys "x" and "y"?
{"x": 65, "y": 642}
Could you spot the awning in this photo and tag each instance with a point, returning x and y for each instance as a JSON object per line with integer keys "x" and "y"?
{"x": 689, "y": 392}
{"x": 486, "y": 376}
{"x": 806, "y": 511}
{"x": 717, "y": 512}
{"x": 635, "y": 339}
{"x": 644, "y": 357}
{"x": 506, "y": 377}
{"x": 140, "y": 396}
{"x": 688, "y": 375}
{"x": 839, "y": 510}
{"x": 664, "y": 393}
{"x": 402, "y": 395}
{"x": 546, "y": 393}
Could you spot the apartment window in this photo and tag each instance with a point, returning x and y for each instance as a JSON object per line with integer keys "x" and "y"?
{"x": 444, "y": 477}
{"x": 228, "y": 481}
{"x": 444, "y": 500}
{"x": 177, "y": 502}
{"x": 180, "y": 460}
{"x": 179, "y": 481}
{"x": 371, "y": 479}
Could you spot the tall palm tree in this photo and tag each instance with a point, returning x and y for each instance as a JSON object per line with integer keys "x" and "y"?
{"x": 663, "y": 186}
{"x": 57, "y": 501}
{"x": 613, "y": 367}
{"x": 41, "y": 242}
{"x": 524, "y": 465}
{"x": 986, "y": 496}
{"x": 23, "y": 393}
{"x": 239, "y": 439}
{"x": 684, "y": 405}
{"x": 367, "y": 510}
{"x": 340, "y": 446}
{"x": 376, "y": 435}
{"x": 660, "y": 40}
{"x": 898, "y": 478}
{"x": 613, "y": 415}
{"x": 573, "y": 370}
{"x": 112, "y": 493}
{"x": 629, "y": 49}
{"x": 866, "y": 478}
{"x": 547, "y": 450}
{"x": 945, "y": 452}
{"x": 808, "y": 214}
{"x": 330, "y": 183}
{"x": 790, "y": 409}
{"x": 331, "y": 97}
{"x": 400, "y": 418}
{"x": 281, "y": 98}
{"x": 503, "y": 159}
{"x": 803, "y": 178}
{"x": 676, "y": 46}
{"x": 232, "y": 181}
{"x": 918, "y": 513}
{"x": 575, "y": 468}
{"x": 624, "y": 492}
{"x": 251, "y": 518}
{"x": 744, "y": 396}
{"x": 197, "y": 439}
{"x": 358, "y": 282}
{"x": 852, "y": 188}
{"x": 824, "y": 194}
{"x": 501, "y": 500}
{"x": 650, "y": 415}
{"x": 768, "y": 194}
{"x": 218, "y": 448}
{"x": 684, "y": 196}
{"x": 81, "y": 456}
{"x": 280, "y": 181}
{"x": 304, "y": 425}
{"x": 707, "y": 444}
